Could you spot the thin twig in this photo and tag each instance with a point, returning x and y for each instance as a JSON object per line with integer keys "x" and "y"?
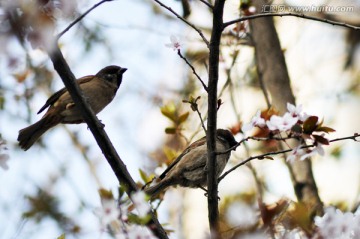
{"x": 256, "y": 139}
{"x": 81, "y": 17}
{"x": 194, "y": 106}
{"x": 193, "y": 69}
{"x": 262, "y": 156}
{"x": 207, "y": 4}
{"x": 301, "y": 15}
{"x": 201, "y": 119}
{"x": 185, "y": 21}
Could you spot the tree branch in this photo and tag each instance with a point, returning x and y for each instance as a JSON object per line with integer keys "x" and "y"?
{"x": 212, "y": 183}
{"x": 193, "y": 69}
{"x": 185, "y": 21}
{"x": 207, "y": 4}
{"x": 290, "y": 14}
{"x": 262, "y": 156}
{"x": 80, "y": 18}
{"x": 117, "y": 165}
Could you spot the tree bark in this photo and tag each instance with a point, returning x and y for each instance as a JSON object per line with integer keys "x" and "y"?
{"x": 212, "y": 182}
{"x": 272, "y": 68}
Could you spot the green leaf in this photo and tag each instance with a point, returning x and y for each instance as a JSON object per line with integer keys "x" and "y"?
{"x": 170, "y": 153}
{"x": 62, "y": 236}
{"x": 169, "y": 111}
{"x": 183, "y": 117}
{"x": 310, "y": 124}
{"x": 296, "y": 129}
{"x": 143, "y": 175}
{"x": 139, "y": 220}
{"x": 105, "y": 194}
{"x": 336, "y": 152}
{"x": 170, "y": 130}
{"x": 325, "y": 129}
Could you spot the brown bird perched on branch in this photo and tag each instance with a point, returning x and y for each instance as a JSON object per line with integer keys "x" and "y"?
{"x": 99, "y": 90}
{"x": 189, "y": 168}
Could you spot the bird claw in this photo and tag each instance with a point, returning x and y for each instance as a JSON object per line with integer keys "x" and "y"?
{"x": 101, "y": 125}
{"x": 206, "y": 193}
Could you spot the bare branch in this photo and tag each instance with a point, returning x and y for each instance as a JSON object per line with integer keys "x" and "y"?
{"x": 256, "y": 139}
{"x": 212, "y": 183}
{"x": 290, "y": 14}
{"x": 81, "y": 17}
{"x": 185, "y": 21}
{"x": 207, "y": 4}
{"x": 193, "y": 69}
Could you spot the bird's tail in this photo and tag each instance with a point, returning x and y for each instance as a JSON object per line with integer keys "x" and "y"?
{"x": 29, "y": 135}
{"x": 158, "y": 188}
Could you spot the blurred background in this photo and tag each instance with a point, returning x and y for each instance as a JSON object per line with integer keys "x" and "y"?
{"x": 53, "y": 187}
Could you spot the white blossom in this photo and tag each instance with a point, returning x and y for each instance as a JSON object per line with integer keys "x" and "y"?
{"x": 4, "y": 157}
{"x": 108, "y": 213}
{"x": 296, "y": 154}
{"x": 296, "y": 112}
{"x": 141, "y": 203}
{"x": 175, "y": 43}
{"x": 336, "y": 224}
{"x": 256, "y": 121}
{"x": 135, "y": 232}
{"x": 284, "y": 123}
{"x": 240, "y": 214}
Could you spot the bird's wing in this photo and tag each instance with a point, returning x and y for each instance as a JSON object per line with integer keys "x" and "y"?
{"x": 59, "y": 93}
{"x": 197, "y": 143}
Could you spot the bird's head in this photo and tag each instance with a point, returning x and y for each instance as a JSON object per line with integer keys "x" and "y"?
{"x": 112, "y": 73}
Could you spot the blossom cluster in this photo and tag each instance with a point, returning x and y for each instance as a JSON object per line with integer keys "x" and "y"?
{"x": 336, "y": 224}
{"x": 4, "y": 156}
{"x": 295, "y": 124}
{"x": 115, "y": 216}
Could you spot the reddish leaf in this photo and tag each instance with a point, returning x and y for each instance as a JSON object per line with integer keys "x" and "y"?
{"x": 269, "y": 212}
{"x": 320, "y": 139}
{"x": 310, "y": 124}
{"x": 235, "y": 129}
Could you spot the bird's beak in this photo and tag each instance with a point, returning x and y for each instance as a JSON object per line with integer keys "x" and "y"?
{"x": 122, "y": 70}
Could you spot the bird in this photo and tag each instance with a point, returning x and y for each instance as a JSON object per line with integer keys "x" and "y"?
{"x": 189, "y": 169}
{"x": 99, "y": 90}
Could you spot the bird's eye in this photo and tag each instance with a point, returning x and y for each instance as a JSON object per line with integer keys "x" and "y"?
{"x": 109, "y": 77}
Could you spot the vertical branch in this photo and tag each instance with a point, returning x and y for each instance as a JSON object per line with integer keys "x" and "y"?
{"x": 214, "y": 48}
